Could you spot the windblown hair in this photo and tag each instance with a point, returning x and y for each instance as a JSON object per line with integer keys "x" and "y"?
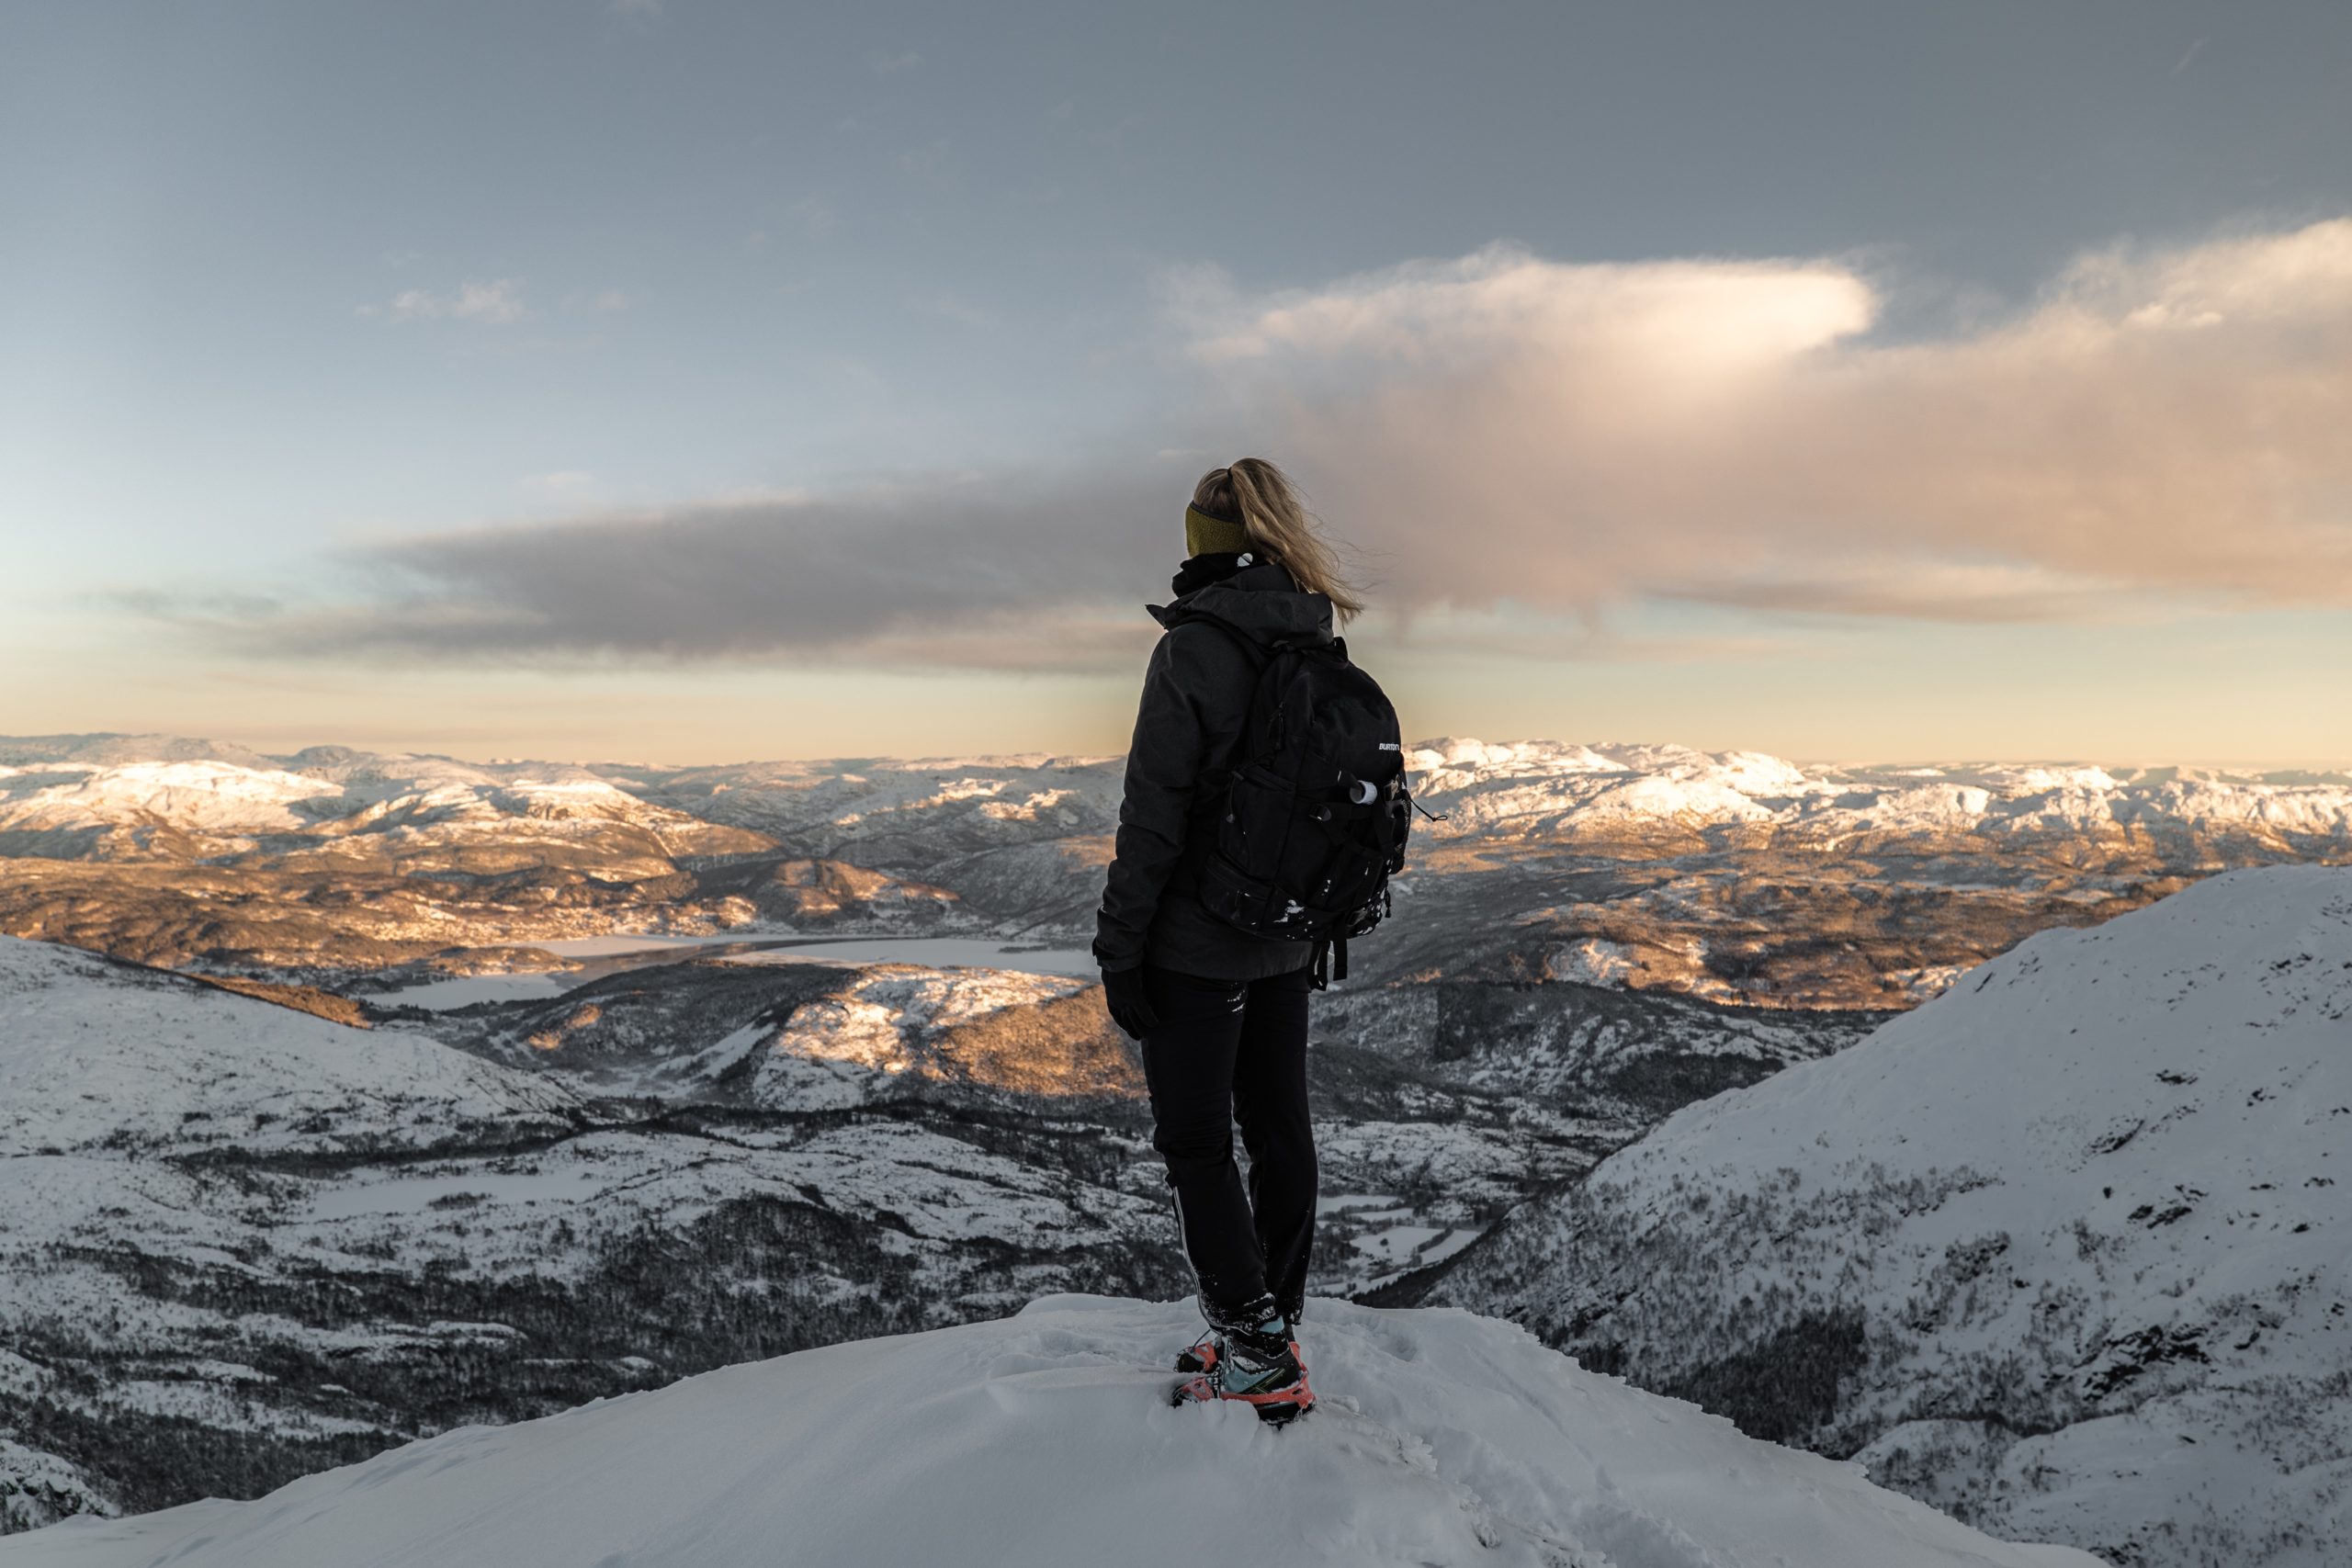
{"x": 1260, "y": 497}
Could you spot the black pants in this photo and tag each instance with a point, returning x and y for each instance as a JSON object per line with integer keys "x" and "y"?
{"x": 1228, "y": 1050}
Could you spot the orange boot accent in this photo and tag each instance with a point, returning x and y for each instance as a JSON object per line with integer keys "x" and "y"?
{"x": 1298, "y": 1396}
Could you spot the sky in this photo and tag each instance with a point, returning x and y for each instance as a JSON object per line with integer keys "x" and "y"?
{"x": 686, "y": 381}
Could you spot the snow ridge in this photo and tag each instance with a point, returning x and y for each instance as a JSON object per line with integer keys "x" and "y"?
{"x": 1044, "y": 1439}
{"x": 2064, "y": 1250}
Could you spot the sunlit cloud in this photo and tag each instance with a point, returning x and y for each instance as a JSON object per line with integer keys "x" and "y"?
{"x": 2157, "y": 425}
{"x": 1923, "y": 589}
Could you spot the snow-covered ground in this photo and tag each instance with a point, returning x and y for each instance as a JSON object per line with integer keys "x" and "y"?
{"x": 2068, "y": 1250}
{"x": 1044, "y": 1441}
{"x": 239, "y": 1242}
{"x": 104, "y": 1056}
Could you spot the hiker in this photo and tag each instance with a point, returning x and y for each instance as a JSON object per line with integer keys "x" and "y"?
{"x": 1220, "y": 911}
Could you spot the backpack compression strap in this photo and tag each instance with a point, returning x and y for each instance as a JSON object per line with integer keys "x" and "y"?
{"x": 1330, "y": 962}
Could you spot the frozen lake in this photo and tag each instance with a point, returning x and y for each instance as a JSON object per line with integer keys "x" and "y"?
{"x": 613, "y": 946}
{"x": 408, "y": 1194}
{"x": 465, "y": 990}
{"x": 932, "y": 951}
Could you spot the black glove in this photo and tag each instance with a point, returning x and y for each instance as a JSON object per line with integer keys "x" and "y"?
{"x": 1131, "y": 1010}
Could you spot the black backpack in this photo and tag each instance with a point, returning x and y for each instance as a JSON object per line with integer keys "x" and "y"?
{"x": 1315, "y": 814}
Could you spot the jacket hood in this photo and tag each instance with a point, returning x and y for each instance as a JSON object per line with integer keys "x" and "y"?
{"x": 1262, "y": 602}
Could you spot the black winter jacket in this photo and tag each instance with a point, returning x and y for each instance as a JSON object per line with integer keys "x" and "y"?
{"x": 1188, "y": 735}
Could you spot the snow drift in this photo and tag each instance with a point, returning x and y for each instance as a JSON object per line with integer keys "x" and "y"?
{"x": 1042, "y": 1441}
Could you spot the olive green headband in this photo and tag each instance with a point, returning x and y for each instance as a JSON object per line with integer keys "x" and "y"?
{"x": 1208, "y": 536}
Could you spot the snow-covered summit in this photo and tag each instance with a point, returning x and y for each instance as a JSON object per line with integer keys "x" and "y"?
{"x": 198, "y": 801}
{"x": 1043, "y": 1440}
{"x": 2068, "y": 1249}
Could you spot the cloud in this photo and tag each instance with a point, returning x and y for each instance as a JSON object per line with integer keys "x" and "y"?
{"x": 815, "y": 217}
{"x": 2158, "y": 426}
{"x": 1968, "y": 592}
{"x": 2160, "y": 432}
{"x": 947, "y": 572}
{"x": 954, "y": 309}
{"x": 559, "y": 486}
{"x": 934, "y": 162}
{"x": 498, "y": 301}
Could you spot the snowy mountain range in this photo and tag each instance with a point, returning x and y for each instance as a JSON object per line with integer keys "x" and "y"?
{"x": 1046, "y": 1439}
{"x": 2067, "y": 1251}
{"x": 97, "y": 795}
{"x": 1732, "y": 876}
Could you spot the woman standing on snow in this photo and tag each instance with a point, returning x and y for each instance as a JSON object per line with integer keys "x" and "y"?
{"x": 1221, "y": 1012}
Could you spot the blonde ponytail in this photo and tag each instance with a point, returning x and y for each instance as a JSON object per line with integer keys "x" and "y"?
{"x": 1261, "y": 498}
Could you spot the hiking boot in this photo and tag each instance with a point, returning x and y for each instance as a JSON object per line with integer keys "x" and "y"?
{"x": 1257, "y": 1358}
{"x": 1202, "y": 1354}
{"x": 1200, "y": 1363}
{"x": 1266, "y": 1371}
